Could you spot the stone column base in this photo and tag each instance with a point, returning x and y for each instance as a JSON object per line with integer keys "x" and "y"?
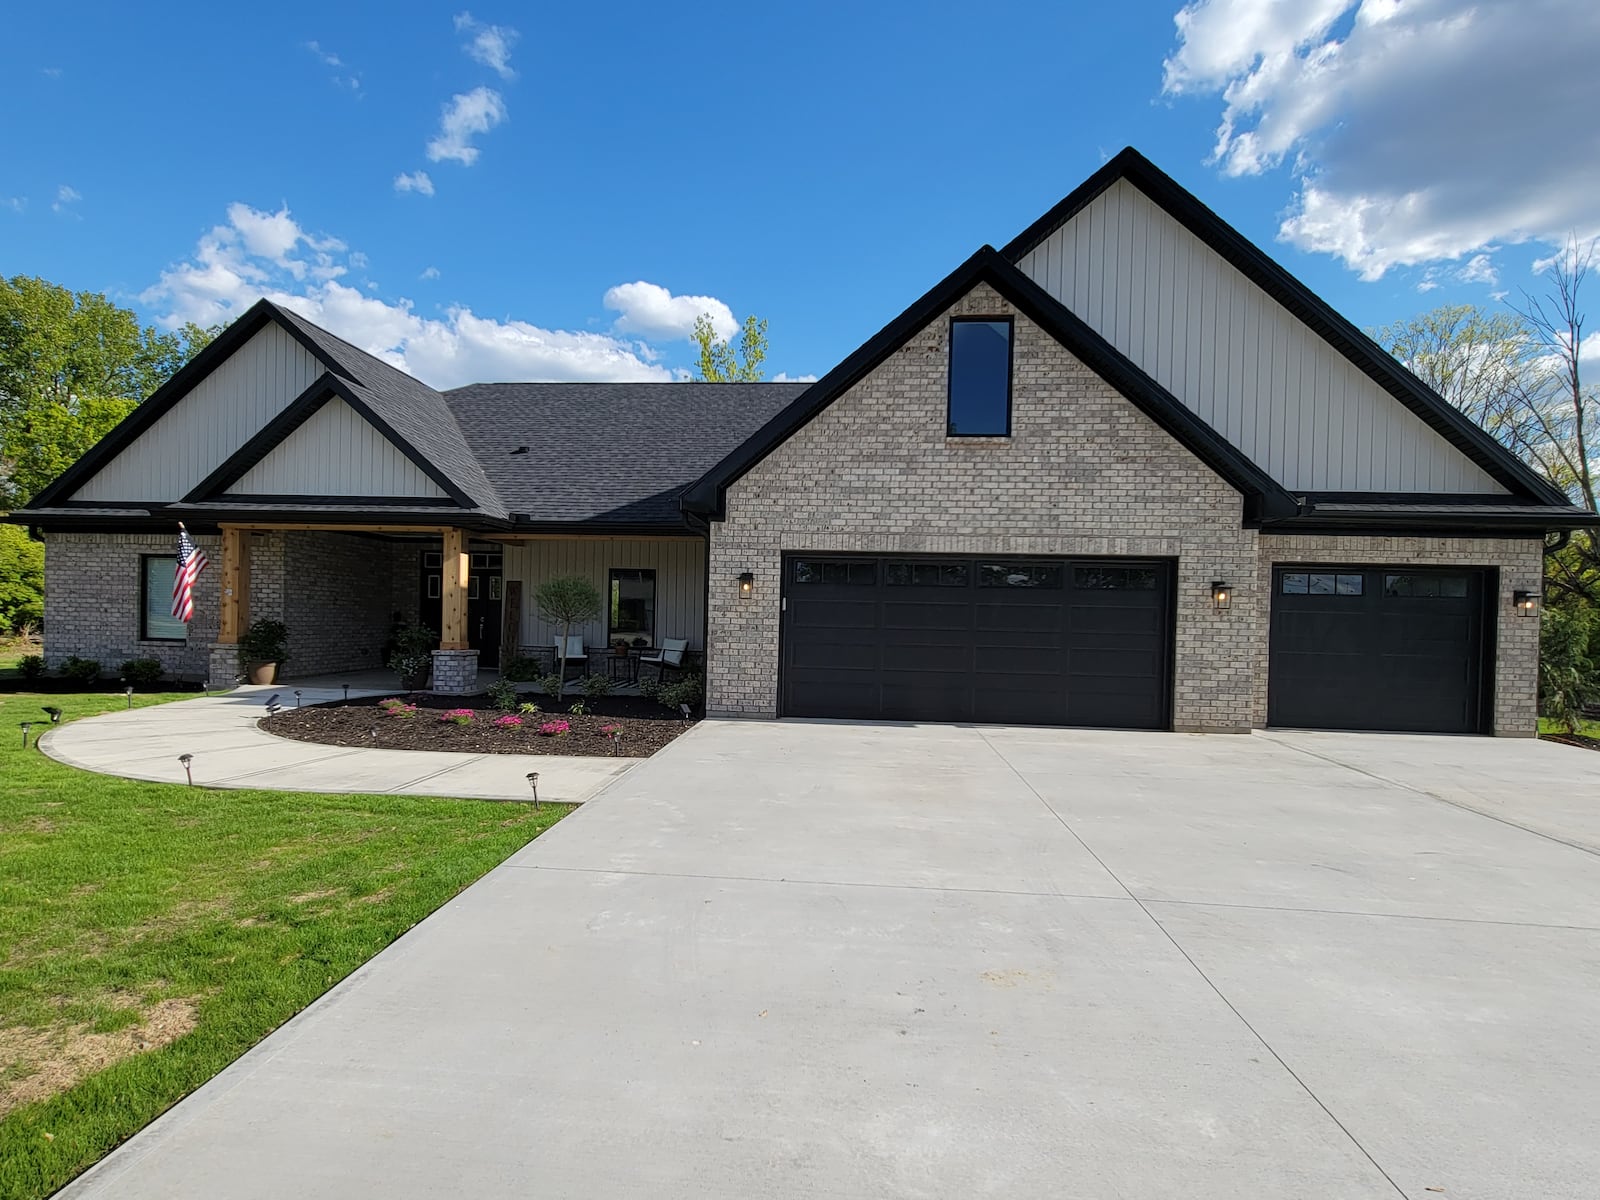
{"x": 455, "y": 672}
{"x": 223, "y": 669}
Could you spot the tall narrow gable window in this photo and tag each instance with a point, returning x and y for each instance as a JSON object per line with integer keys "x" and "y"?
{"x": 980, "y": 377}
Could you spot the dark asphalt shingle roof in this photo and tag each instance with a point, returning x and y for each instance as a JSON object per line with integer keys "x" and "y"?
{"x": 607, "y": 452}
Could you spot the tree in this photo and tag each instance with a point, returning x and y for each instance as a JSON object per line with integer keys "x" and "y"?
{"x": 737, "y": 362}
{"x": 21, "y": 579}
{"x": 567, "y": 600}
{"x": 72, "y": 364}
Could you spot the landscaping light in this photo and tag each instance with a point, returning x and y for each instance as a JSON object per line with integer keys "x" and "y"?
{"x": 26, "y": 726}
{"x": 272, "y": 700}
{"x": 533, "y": 782}
{"x": 129, "y": 692}
{"x": 346, "y": 688}
{"x": 54, "y": 714}
{"x": 297, "y": 697}
{"x": 683, "y": 711}
{"x": 1221, "y": 595}
{"x": 747, "y": 585}
{"x": 1526, "y": 603}
{"x": 186, "y": 759}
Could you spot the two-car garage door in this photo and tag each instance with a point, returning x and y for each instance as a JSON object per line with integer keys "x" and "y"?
{"x": 1038, "y": 641}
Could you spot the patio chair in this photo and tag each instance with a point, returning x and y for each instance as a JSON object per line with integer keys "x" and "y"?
{"x": 575, "y": 655}
{"x": 668, "y": 658}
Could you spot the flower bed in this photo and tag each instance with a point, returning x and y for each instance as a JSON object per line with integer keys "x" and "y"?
{"x": 625, "y": 726}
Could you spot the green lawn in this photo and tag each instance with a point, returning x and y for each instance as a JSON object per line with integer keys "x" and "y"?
{"x": 151, "y": 933}
{"x": 1586, "y": 728}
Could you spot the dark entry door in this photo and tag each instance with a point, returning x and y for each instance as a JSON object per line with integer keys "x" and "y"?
{"x": 1039, "y": 641}
{"x": 1392, "y": 648}
{"x": 484, "y": 596}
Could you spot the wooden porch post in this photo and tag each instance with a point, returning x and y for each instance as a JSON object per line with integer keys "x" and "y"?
{"x": 235, "y": 615}
{"x": 453, "y": 591}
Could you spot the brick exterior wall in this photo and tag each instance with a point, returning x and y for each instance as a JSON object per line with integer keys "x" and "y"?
{"x": 1084, "y": 473}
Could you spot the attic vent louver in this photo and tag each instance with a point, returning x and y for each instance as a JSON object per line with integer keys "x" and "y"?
{"x": 520, "y": 450}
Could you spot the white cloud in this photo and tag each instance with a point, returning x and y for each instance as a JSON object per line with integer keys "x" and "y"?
{"x": 1479, "y": 269}
{"x": 1427, "y": 285}
{"x": 467, "y": 115}
{"x": 342, "y": 76}
{"x": 417, "y": 181}
{"x": 50, "y": 72}
{"x": 16, "y": 203}
{"x": 65, "y": 198}
{"x": 489, "y": 44}
{"x": 429, "y": 273}
{"x": 256, "y": 253}
{"x": 1418, "y": 130}
{"x": 785, "y": 377}
{"x": 650, "y": 309}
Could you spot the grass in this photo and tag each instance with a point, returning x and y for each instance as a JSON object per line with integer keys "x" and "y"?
{"x": 151, "y": 933}
{"x": 1586, "y": 728}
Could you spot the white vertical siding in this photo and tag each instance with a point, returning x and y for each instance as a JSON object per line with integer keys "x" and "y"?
{"x": 1264, "y": 380}
{"x": 679, "y": 564}
{"x": 335, "y": 453}
{"x": 223, "y": 411}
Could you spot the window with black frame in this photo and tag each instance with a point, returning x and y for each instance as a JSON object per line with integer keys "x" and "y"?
{"x": 156, "y": 622}
{"x": 980, "y": 378}
{"x": 631, "y": 605}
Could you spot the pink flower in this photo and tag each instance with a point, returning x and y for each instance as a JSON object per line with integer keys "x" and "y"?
{"x": 509, "y": 721}
{"x": 611, "y": 730}
{"x": 458, "y": 716}
{"x": 554, "y": 728}
{"x": 400, "y": 710}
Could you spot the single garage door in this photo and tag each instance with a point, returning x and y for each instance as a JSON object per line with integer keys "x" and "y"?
{"x": 1392, "y": 648}
{"x": 1011, "y": 640}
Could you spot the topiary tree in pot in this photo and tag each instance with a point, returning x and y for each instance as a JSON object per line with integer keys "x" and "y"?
{"x": 264, "y": 648}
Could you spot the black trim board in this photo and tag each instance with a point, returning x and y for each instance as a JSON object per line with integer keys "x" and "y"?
{"x": 166, "y": 397}
{"x": 323, "y": 389}
{"x": 1378, "y": 365}
{"x": 1264, "y": 498}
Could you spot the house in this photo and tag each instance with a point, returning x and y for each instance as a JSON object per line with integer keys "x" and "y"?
{"x": 1125, "y": 471}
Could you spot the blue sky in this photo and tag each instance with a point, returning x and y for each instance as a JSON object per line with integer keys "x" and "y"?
{"x": 595, "y": 175}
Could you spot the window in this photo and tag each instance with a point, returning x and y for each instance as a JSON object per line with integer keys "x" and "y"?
{"x": 980, "y": 378}
{"x": 1120, "y": 579}
{"x": 853, "y": 572}
{"x": 910, "y": 574}
{"x": 632, "y": 604}
{"x": 1019, "y": 575}
{"x": 156, "y": 622}
{"x": 1428, "y": 587}
{"x": 1321, "y": 583}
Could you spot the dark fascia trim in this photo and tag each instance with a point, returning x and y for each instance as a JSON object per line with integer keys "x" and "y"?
{"x": 324, "y": 388}
{"x": 1381, "y": 367}
{"x": 522, "y": 524}
{"x": 164, "y": 398}
{"x": 1384, "y": 521}
{"x": 245, "y": 500}
{"x": 1264, "y": 498}
{"x": 1315, "y": 498}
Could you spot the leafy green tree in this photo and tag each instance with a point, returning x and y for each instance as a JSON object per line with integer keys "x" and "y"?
{"x": 72, "y": 364}
{"x": 567, "y": 600}
{"x": 21, "y": 579}
{"x": 1566, "y": 668}
{"x": 731, "y": 362}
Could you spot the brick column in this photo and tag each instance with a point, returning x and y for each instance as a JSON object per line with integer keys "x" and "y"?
{"x": 455, "y": 672}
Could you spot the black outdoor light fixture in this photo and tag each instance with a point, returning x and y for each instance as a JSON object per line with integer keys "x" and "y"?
{"x": 1526, "y": 603}
{"x": 129, "y": 691}
{"x": 346, "y": 688}
{"x": 1221, "y": 595}
{"x": 26, "y": 726}
{"x": 297, "y": 697}
{"x": 186, "y": 759}
{"x": 533, "y": 782}
{"x": 53, "y": 713}
{"x": 747, "y": 584}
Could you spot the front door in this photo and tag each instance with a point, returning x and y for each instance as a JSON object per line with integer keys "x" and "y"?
{"x": 485, "y": 588}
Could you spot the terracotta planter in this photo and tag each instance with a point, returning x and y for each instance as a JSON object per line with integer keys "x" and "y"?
{"x": 264, "y": 673}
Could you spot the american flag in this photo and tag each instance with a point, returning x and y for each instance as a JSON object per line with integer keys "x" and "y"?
{"x": 190, "y": 563}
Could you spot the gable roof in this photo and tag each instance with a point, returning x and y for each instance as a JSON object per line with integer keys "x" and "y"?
{"x": 1265, "y": 499}
{"x": 1365, "y": 354}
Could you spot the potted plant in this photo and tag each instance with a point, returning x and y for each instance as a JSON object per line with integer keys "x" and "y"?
{"x": 264, "y": 648}
{"x": 412, "y": 656}
{"x": 619, "y": 647}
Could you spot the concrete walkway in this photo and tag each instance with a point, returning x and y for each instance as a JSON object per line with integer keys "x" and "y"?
{"x": 231, "y": 752}
{"x": 796, "y": 960}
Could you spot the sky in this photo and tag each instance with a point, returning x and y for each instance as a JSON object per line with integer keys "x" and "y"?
{"x": 519, "y": 191}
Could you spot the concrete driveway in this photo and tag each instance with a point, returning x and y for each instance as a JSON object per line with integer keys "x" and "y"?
{"x": 805, "y": 960}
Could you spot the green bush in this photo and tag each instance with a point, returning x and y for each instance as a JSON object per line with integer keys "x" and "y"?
{"x": 81, "y": 670}
{"x": 21, "y": 579}
{"x": 687, "y": 690}
{"x": 412, "y": 656}
{"x": 594, "y": 686}
{"x": 266, "y": 641}
{"x": 1566, "y": 674}
{"x": 551, "y": 685}
{"x": 31, "y": 666}
{"x": 521, "y": 669}
{"x": 142, "y": 672}
{"x": 650, "y": 687}
{"x": 503, "y": 695}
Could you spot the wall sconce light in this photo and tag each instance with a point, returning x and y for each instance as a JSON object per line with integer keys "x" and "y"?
{"x": 1526, "y": 603}
{"x": 747, "y": 585}
{"x": 1221, "y": 595}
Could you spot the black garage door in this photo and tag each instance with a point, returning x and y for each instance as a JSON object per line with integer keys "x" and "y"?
{"x": 1014, "y": 640}
{"x": 1396, "y": 648}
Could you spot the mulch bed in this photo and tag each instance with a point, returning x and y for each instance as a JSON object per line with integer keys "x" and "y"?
{"x": 646, "y": 726}
{"x": 1573, "y": 739}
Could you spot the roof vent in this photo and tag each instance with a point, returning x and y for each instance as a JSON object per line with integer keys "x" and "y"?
{"x": 520, "y": 450}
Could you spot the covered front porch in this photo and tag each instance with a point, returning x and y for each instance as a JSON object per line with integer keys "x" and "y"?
{"x": 349, "y": 594}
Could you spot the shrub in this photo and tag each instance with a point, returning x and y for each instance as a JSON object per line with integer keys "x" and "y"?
{"x": 458, "y": 716}
{"x": 266, "y": 641}
{"x": 528, "y": 708}
{"x": 31, "y": 666}
{"x": 551, "y": 685}
{"x": 400, "y": 710}
{"x": 650, "y": 688}
{"x": 554, "y": 728}
{"x": 143, "y": 672}
{"x": 21, "y": 579}
{"x": 412, "y": 656}
{"x": 81, "y": 670}
{"x": 520, "y": 669}
{"x": 503, "y": 694}
{"x": 509, "y": 721}
{"x": 595, "y": 686}
{"x": 688, "y": 690}
{"x": 1565, "y": 681}
{"x": 577, "y": 708}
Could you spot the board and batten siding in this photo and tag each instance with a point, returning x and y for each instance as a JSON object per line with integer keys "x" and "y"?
{"x": 223, "y": 411}
{"x": 679, "y": 564}
{"x": 1259, "y": 376}
{"x": 336, "y": 452}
